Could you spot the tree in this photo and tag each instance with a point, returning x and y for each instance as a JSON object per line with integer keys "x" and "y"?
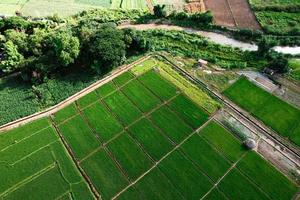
{"x": 106, "y": 48}
{"x": 159, "y": 11}
{"x": 12, "y": 58}
{"x": 264, "y": 45}
{"x": 63, "y": 48}
{"x": 135, "y": 41}
{"x": 279, "y": 63}
{"x": 19, "y": 38}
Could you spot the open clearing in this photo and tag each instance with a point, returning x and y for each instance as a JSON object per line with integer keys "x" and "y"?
{"x": 135, "y": 140}
{"x": 274, "y": 112}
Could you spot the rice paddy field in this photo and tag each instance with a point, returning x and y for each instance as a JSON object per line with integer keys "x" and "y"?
{"x": 34, "y": 164}
{"x": 140, "y": 136}
{"x": 42, "y": 8}
{"x": 274, "y": 112}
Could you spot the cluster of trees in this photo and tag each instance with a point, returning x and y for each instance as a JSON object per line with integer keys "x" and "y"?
{"x": 39, "y": 50}
{"x": 277, "y": 61}
{"x": 162, "y": 11}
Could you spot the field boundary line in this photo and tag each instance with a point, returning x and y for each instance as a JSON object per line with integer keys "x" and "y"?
{"x": 125, "y": 128}
{"x": 28, "y": 179}
{"x": 33, "y": 152}
{"x": 119, "y": 70}
{"x": 105, "y": 148}
{"x": 25, "y": 138}
{"x": 226, "y": 173}
{"x": 75, "y": 161}
{"x": 165, "y": 156}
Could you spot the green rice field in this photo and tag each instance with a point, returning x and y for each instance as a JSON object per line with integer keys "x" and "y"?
{"x": 134, "y": 140}
{"x": 274, "y": 112}
{"x": 35, "y": 164}
{"x": 41, "y": 8}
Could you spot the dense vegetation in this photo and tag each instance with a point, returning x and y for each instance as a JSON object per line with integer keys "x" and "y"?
{"x": 279, "y": 17}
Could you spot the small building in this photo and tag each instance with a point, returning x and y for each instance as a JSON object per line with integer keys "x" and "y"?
{"x": 202, "y": 63}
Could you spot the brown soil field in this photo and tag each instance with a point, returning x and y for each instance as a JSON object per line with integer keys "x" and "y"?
{"x": 232, "y": 13}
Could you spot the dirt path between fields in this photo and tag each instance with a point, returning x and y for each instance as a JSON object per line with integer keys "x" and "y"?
{"x": 72, "y": 98}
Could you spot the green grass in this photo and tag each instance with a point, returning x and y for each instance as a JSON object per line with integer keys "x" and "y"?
{"x": 143, "y": 67}
{"x": 37, "y": 163}
{"x": 158, "y": 85}
{"x": 65, "y": 113}
{"x": 104, "y": 174}
{"x": 131, "y": 157}
{"x": 87, "y": 99}
{"x": 294, "y": 65}
{"x": 122, "y": 107}
{"x": 265, "y": 106}
{"x": 153, "y": 140}
{"x": 81, "y": 191}
{"x": 35, "y": 189}
{"x": 106, "y": 89}
{"x": 222, "y": 140}
{"x": 208, "y": 159}
{"x": 140, "y": 96}
{"x": 247, "y": 95}
{"x": 236, "y": 186}
{"x": 155, "y": 185}
{"x": 215, "y": 194}
{"x": 192, "y": 91}
{"x": 20, "y": 149}
{"x": 185, "y": 176}
{"x": 11, "y": 175}
{"x": 103, "y": 122}
{"x": 17, "y": 134}
{"x": 281, "y": 23}
{"x": 188, "y": 111}
{"x": 170, "y": 124}
{"x": 134, "y": 4}
{"x": 79, "y": 136}
{"x": 271, "y": 181}
{"x": 123, "y": 78}
{"x": 131, "y": 193}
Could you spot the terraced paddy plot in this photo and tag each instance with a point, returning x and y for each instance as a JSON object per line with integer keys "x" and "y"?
{"x": 140, "y": 96}
{"x": 167, "y": 151}
{"x": 152, "y": 80}
{"x": 125, "y": 110}
{"x": 102, "y": 121}
{"x": 79, "y": 136}
{"x": 274, "y": 112}
{"x": 34, "y": 162}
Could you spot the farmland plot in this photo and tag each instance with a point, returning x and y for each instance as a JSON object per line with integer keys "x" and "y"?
{"x": 161, "y": 153}
{"x": 265, "y": 106}
{"x": 53, "y": 173}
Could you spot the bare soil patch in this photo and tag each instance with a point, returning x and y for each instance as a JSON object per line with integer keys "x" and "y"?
{"x": 232, "y": 13}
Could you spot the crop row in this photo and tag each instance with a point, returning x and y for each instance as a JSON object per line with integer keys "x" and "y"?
{"x": 274, "y": 112}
